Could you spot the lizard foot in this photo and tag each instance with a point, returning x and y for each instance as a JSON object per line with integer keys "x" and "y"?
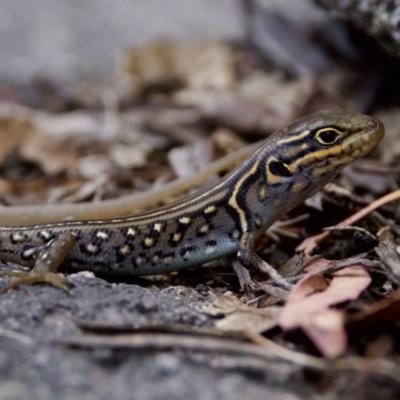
{"x": 24, "y": 278}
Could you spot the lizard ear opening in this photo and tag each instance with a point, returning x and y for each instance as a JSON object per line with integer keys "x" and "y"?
{"x": 279, "y": 168}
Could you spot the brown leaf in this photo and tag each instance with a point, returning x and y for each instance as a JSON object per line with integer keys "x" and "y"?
{"x": 223, "y": 305}
{"x": 240, "y": 316}
{"x": 13, "y": 132}
{"x": 51, "y": 154}
{"x": 202, "y": 64}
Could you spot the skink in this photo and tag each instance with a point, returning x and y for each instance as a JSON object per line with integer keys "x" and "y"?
{"x": 222, "y": 219}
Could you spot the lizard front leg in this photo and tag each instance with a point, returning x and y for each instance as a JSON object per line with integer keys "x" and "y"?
{"x": 50, "y": 257}
{"x": 249, "y": 259}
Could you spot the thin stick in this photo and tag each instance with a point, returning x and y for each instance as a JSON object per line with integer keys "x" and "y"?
{"x": 309, "y": 244}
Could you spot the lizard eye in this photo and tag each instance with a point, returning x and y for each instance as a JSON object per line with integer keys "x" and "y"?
{"x": 327, "y": 136}
{"x": 278, "y": 168}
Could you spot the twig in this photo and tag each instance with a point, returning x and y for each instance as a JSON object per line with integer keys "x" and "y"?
{"x": 338, "y": 265}
{"x": 309, "y": 244}
{"x": 265, "y": 349}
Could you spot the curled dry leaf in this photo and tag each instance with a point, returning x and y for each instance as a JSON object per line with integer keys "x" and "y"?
{"x": 309, "y": 306}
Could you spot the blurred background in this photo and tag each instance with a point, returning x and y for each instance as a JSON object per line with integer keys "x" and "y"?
{"x": 67, "y": 40}
{"x": 175, "y": 84}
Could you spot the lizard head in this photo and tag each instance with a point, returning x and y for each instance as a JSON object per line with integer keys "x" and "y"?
{"x": 312, "y": 150}
{"x": 298, "y": 160}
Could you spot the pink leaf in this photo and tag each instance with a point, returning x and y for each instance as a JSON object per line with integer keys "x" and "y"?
{"x": 309, "y": 306}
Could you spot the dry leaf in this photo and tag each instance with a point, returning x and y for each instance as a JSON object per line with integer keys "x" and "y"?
{"x": 227, "y": 140}
{"x": 13, "y": 132}
{"x": 130, "y": 156}
{"x": 189, "y": 159}
{"x": 205, "y": 64}
{"x": 285, "y": 98}
{"x": 309, "y": 306}
{"x": 239, "y": 316}
{"x": 73, "y": 124}
{"x": 52, "y": 154}
{"x": 222, "y": 107}
{"x": 223, "y": 305}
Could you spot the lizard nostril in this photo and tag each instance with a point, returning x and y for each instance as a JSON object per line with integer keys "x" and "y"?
{"x": 372, "y": 125}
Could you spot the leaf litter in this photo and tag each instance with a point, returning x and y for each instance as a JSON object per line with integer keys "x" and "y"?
{"x": 174, "y": 107}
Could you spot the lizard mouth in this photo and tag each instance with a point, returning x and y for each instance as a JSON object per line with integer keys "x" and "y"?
{"x": 365, "y": 136}
{"x": 358, "y": 144}
{"x": 361, "y": 144}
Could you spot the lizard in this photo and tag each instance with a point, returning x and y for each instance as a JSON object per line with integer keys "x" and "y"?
{"x": 223, "y": 218}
